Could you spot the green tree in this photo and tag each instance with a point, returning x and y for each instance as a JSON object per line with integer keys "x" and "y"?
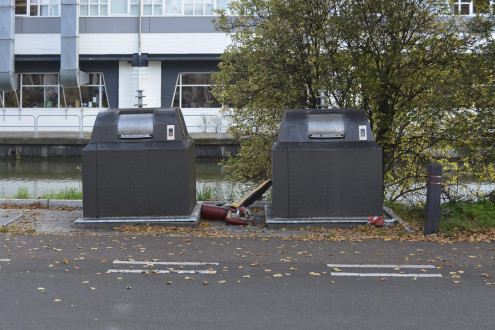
{"x": 425, "y": 80}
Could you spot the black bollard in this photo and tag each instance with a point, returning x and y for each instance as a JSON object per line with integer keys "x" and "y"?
{"x": 433, "y": 191}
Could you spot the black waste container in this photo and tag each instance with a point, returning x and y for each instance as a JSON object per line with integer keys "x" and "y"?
{"x": 325, "y": 164}
{"x": 139, "y": 163}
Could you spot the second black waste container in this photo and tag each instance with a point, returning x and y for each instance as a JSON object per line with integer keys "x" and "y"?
{"x": 325, "y": 164}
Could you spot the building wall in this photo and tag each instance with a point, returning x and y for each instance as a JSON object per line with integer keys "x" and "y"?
{"x": 107, "y": 44}
{"x": 129, "y": 83}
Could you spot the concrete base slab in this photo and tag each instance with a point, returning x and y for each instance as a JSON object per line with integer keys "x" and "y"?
{"x": 332, "y": 222}
{"x": 190, "y": 221}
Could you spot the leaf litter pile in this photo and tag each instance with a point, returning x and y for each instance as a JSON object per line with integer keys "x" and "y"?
{"x": 217, "y": 229}
{"x": 388, "y": 233}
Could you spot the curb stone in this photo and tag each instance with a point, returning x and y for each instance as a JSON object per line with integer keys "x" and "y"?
{"x": 43, "y": 202}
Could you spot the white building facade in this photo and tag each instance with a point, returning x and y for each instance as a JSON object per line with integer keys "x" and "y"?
{"x": 61, "y": 61}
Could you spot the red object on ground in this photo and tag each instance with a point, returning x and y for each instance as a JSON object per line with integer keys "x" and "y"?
{"x": 213, "y": 212}
{"x": 236, "y": 221}
{"x": 376, "y": 221}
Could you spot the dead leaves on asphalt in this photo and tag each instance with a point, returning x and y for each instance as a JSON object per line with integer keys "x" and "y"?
{"x": 219, "y": 230}
{"x": 364, "y": 232}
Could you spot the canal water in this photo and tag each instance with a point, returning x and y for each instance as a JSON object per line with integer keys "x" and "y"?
{"x": 41, "y": 176}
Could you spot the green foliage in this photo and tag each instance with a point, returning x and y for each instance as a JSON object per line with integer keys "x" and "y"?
{"x": 457, "y": 216}
{"x": 470, "y": 217}
{"x": 67, "y": 194}
{"x": 22, "y": 193}
{"x": 426, "y": 87}
{"x": 207, "y": 193}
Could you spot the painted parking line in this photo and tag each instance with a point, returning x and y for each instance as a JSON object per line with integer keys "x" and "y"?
{"x": 378, "y": 266}
{"x": 384, "y": 274}
{"x": 179, "y": 271}
{"x": 166, "y": 263}
{"x": 181, "y": 266}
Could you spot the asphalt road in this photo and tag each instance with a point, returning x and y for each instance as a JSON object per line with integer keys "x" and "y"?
{"x": 145, "y": 282}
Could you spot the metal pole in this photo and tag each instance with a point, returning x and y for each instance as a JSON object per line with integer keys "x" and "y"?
{"x": 433, "y": 191}
{"x": 81, "y": 128}
{"x": 35, "y": 126}
{"x": 322, "y": 97}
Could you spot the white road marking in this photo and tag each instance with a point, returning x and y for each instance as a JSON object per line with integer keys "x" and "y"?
{"x": 164, "y": 271}
{"x": 380, "y": 266}
{"x": 166, "y": 263}
{"x": 5, "y": 260}
{"x": 140, "y": 271}
{"x": 384, "y": 274}
{"x": 376, "y": 266}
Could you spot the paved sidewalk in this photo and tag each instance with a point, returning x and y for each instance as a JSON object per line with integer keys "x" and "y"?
{"x": 59, "y": 216}
{"x": 56, "y": 220}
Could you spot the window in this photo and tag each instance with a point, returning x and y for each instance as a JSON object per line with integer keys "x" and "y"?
{"x": 93, "y": 8}
{"x": 42, "y": 90}
{"x": 118, "y": 7}
{"x": 37, "y": 7}
{"x": 466, "y": 7}
{"x": 152, "y": 7}
{"x": 194, "y": 91}
{"x": 149, "y": 7}
{"x": 198, "y": 7}
{"x": 39, "y": 91}
{"x": 93, "y": 94}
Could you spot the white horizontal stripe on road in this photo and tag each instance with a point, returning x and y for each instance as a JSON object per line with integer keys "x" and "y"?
{"x": 5, "y": 260}
{"x": 166, "y": 263}
{"x": 384, "y": 274}
{"x": 379, "y": 266}
{"x": 141, "y": 271}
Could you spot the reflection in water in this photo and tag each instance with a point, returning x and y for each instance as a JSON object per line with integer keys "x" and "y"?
{"x": 41, "y": 176}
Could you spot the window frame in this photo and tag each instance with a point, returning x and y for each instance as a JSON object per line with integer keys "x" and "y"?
{"x": 179, "y": 85}
{"x": 153, "y": 4}
{"x": 38, "y": 4}
{"x": 43, "y": 85}
{"x": 457, "y": 5}
{"x": 102, "y": 90}
{"x": 61, "y": 99}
